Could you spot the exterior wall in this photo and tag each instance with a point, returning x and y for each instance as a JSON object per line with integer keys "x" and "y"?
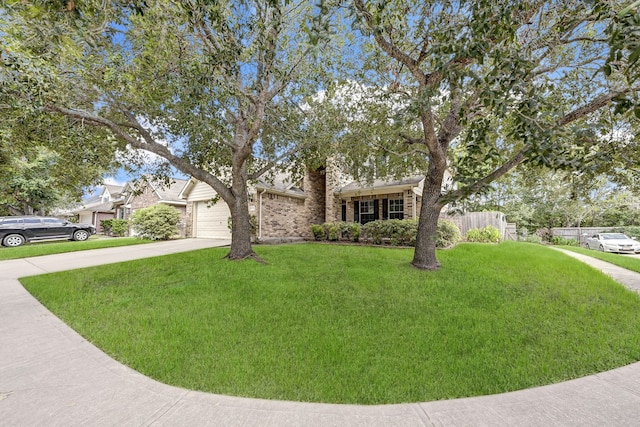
{"x": 285, "y": 216}
{"x": 408, "y": 196}
{"x": 201, "y": 191}
{"x": 145, "y": 199}
{"x": 188, "y": 220}
{"x": 333, "y": 203}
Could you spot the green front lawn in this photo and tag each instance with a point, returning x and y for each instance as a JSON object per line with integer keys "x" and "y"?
{"x": 621, "y": 260}
{"x": 62, "y": 246}
{"x": 353, "y": 324}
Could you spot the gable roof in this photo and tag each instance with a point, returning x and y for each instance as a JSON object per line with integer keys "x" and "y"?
{"x": 170, "y": 194}
{"x": 95, "y": 204}
{"x": 282, "y": 183}
{"x": 114, "y": 190}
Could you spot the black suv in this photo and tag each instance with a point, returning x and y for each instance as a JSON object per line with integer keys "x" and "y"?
{"x": 16, "y": 230}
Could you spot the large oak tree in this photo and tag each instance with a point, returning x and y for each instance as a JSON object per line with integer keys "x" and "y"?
{"x": 480, "y": 87}
{"x": 211, "y": 87}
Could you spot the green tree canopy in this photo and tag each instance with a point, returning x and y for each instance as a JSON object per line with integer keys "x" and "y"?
{"x": 212, "y": 88}
{"x": 478, "y": 88}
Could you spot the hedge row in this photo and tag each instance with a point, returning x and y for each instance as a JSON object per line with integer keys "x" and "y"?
{"x": 395, "y": 232}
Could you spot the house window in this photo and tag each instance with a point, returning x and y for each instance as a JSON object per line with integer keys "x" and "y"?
{"x": 367, "y": 210}
{"x": 396, "y": 209}
{"x": 344, "y": 210}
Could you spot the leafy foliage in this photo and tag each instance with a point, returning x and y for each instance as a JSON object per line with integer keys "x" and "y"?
{"x": 563, "y": 241}
{"x": 193, "y": 84}
{"x": 334, "y": 231}
{"x": 448, "y": 234}
{"x": 481, "y": 87}
{"x": 115, "y": 226}
{"x": 488, "y": 234}
{"x": 157, "y": 222}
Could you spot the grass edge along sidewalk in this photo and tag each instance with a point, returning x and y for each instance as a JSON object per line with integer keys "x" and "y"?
{"x": 621, "y": 260}
{"x": 59, "y": 247}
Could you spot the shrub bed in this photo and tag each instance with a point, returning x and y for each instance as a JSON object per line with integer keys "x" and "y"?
{"x": 393, "y": 232}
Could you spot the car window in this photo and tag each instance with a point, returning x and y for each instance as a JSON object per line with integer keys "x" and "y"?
{"x": 611, "y": 236}
{"x": 32, "y": 221}
{"x": 53, "y": 221}
{"x": 12, "y": 221}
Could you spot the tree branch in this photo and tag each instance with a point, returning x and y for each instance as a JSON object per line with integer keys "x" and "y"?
{"x": 388, "y": 46}
{"x": 149, "y": 145}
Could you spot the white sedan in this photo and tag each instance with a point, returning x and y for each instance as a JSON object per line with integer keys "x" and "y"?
{"x": 613, "y": 242}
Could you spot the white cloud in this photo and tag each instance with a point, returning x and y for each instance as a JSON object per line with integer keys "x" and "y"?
{"x": 113, "y": 180}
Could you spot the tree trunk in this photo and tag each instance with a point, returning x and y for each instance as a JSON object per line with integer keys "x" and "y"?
{"x": 240, "y": 224}
{"x": 241, "y": 231}
{"x": 424, "y": 256}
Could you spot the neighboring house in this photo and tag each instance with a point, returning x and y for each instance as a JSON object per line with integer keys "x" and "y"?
{"x": 100, "y": 207}
{"x": 145, "y": 193}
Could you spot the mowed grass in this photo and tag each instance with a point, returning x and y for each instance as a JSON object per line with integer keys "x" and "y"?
{"x": 62, "y": 246}
{"x": 621, "y": 260}
{"x": 352, "y": 324}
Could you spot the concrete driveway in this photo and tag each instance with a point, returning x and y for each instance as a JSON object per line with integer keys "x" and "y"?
{"x": 51, "y": 376}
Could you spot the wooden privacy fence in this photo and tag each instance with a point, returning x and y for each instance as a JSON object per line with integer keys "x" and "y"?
{"x": 470, "y": 220}
{"x": 579, "y": 233}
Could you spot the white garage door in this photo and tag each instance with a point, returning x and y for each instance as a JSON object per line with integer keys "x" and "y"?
{"x": 211, "y": 222}
{"x": 85, "y": 218}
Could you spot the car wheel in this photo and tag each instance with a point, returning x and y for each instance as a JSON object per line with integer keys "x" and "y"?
{"x": 601, "y": 248}
{"x": 80, "y": 235}
{"x": 13, "y": 240}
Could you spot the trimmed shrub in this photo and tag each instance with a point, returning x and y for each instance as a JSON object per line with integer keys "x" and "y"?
{"x": 318, "y": 231}
{"x": 106, "y": 225}
{"x": 115, "y": 227}
{"x": 488, "y": 234}
{"x": 332, "y": 231}
{"x": 448, "y": 234}
{"x": 157, "y": 222}
{"x": 563, "y": 241}
{"x": 395, "y": 232}
{"x": 533, "y": 238}
{"x": 374, "y": 232}
{"x": 350, "y": 231}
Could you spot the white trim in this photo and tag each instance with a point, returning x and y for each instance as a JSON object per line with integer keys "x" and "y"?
{"x": 415, "y": 204}
{"x": 260, "y": 213}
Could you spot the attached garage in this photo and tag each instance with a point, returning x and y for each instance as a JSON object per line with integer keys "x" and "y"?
{"x": 204, "y": 219}
{"x": 211, "y": 221}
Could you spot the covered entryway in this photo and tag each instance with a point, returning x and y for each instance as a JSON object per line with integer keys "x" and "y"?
{"x": 211, "y": 221}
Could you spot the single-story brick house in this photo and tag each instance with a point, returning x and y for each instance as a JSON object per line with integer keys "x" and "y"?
{"x": 286, "y": 209}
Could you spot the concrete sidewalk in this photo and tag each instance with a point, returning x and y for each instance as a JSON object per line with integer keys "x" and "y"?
{"x": 51, "y": 376}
